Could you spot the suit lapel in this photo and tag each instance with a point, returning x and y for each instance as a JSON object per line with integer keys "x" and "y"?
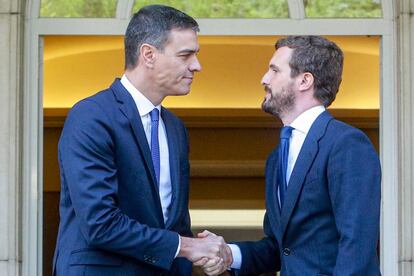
{"x": 129, "y": 109}
{"x": 174, "y": 164}
{"x": 304, "y": 162}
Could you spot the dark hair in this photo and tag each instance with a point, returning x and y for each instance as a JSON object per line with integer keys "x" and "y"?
{"x": 320, "y": 57}
{"x": 152, "y": 24}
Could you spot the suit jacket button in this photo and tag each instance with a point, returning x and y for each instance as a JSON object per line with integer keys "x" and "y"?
{"x": 286, "y": 251}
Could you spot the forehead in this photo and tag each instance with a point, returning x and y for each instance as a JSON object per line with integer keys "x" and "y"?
{"x": 282, "y": 56}
{"x": 182, "y": 39}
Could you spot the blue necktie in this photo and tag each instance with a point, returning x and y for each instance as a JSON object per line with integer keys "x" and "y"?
{"x": 285, "y": 133}
{"x": 155, "y": 146}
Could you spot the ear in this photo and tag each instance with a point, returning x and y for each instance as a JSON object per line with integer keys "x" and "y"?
{"x": 147, "y": 55}
{"x": 306, "y": 81}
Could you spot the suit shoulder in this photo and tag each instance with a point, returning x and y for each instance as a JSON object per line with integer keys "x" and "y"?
{"x": 339, "y": 128}
{"x": 101, "y": 98}
{"x": 344, "y": 135}
{"x": 98, "y": 98}
{"x": 91, "y": 109}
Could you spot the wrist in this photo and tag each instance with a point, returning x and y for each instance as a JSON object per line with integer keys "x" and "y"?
{"x": 185, "y": 247}
{"x": 230, "y": 256}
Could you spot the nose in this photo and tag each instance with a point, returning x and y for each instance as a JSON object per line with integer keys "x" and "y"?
{"x": 265, "y": 79}
{"x": 195, "y": 65}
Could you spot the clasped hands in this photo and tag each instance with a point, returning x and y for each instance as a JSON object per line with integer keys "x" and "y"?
{"x": 208, "y": 251}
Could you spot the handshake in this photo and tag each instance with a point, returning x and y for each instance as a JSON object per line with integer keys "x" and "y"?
{"x": 208, "y": 251}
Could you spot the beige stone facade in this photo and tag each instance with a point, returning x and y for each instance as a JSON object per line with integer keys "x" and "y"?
{"x": 11, "y": 80}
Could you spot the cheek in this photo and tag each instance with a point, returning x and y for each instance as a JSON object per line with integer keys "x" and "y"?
{"x": 174, "y": 68}
{"x": 274, "y": 80}
{"x": 182, "y": 68}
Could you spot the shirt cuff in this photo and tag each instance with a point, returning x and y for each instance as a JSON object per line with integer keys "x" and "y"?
{"x": 179, "y": 247}
{"x": 237, "y": 256}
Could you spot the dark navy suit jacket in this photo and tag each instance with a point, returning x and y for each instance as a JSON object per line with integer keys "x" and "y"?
{"x": 111, "y": 220}
{"x": 329, "y": 223}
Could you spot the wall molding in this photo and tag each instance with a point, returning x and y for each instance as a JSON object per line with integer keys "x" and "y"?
{"x": 227, "y": 168}
{"x": 235, "y": 117}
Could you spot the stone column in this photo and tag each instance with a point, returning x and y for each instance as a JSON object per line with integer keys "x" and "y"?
{"x": 11, "y": 53}
{"x": 405, "y": 22}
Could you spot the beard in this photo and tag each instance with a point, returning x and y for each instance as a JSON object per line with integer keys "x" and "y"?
{"x": 278, "y": 104}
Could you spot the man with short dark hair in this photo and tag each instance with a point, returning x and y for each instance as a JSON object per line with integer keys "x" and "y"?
{"x": 124, "y": 162}
{"x": 323, "y": 182}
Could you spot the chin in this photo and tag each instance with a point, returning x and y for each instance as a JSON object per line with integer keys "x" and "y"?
{"x": 184, "y": 91}
{"x": 181, "y": 93}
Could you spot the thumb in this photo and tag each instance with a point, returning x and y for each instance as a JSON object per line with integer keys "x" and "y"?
{"x": 205, "y": 234}
{"x": 201, "y": 261}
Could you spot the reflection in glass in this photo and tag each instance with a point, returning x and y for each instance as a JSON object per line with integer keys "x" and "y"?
{"x": 343, "y": 8}
{"x": 78, "y": 8}
{"x": 225, "y": 8}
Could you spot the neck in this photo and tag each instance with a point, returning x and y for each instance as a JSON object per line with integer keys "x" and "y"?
{"x": 144, "y": 84}
{"x": 290, "y": 116}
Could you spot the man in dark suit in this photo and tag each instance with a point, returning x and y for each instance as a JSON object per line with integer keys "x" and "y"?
{"x": 124, "y": 162}
{"x": 323, "y": 182}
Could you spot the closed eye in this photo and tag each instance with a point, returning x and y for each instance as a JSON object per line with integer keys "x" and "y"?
{"x": 184, "y": 56}
{"x": 274, "y": 68}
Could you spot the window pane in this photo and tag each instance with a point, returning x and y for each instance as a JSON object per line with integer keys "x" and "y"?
{"x": 225, "y": 8}
{"x": 78, "y": 8}
{"x": 342, "y": 8}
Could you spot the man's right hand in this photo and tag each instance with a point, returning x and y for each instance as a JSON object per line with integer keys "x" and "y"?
{"x": 194, "y": 249}
{"x": 208, "y": 250}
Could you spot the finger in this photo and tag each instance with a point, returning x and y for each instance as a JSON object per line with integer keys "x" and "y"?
{"x": 219, "y": 271}
{"x": 217, "y": 265}
{"x": 211, "y": 263}
{"x": 229, "y": 257}
{"x": 205, "y": 233}
{"x": 224, "y": 253}
{"x": 223, "y": 249}
{"x": 201, "y": 262}
{"x": 216, "y": 270}
{"x": 202, "y": 235}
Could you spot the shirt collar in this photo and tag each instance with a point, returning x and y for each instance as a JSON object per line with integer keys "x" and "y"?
{"x": 305, "y": 120}
{"x": 143, "y": 104}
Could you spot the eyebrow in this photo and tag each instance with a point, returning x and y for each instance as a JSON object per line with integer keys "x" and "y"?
{"x": 188, "y": 51}
{"x": 273, "y": 66}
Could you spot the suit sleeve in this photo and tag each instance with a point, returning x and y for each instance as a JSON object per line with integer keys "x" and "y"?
{"x": 260, "y": 256}
{"x": 86, "y": 154}
{"x": 354, "y": 179}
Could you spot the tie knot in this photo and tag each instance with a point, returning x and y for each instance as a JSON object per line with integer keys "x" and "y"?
{"x": 155, "y": 114}
{"x": 285, "y": 132}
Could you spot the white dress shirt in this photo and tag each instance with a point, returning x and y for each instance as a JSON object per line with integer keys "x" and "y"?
{"x": 301, "y": 126}
{"x": 144, "y": 107}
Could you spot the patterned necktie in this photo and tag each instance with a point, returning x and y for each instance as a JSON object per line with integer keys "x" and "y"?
{"x": 285, "y": 133}
{"x": 155, "y": 146}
